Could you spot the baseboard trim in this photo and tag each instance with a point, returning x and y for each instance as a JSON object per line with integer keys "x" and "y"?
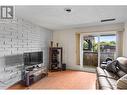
{"x": 80, "y": 69}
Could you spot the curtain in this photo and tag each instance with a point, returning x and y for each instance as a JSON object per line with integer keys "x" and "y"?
{"x": 77, "y": 49}
{"x": 119, "y": 43}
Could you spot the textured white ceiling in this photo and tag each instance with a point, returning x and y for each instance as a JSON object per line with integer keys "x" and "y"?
{"x": 55, "y": 18}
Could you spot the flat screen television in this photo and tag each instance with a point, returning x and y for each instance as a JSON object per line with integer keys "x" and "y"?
{"x": 33, "y": 58}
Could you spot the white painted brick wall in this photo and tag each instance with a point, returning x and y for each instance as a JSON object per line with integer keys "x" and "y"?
{"x": 17, "y": 37}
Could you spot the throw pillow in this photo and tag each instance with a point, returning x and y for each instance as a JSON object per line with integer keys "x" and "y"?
{"x": 112, "y": 67}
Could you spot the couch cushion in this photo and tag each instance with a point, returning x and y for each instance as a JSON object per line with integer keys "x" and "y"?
{"x": 104, "y": 83}
{"x": 105, "y": 73}
{"x": 100, "y": 72}
{"x": 122, "y": 60}
{"x": 122, "y": 63}
{"x": 105, "y": 88}
{"x": 112, "y": 82}
{"x": 122, "y": 82}
{"x": 111, "y": 75}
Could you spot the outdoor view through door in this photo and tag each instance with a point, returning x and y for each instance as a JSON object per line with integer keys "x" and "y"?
{"x": 107, "y": 47}
{"x": 97, "y": 48}
{"x": 90, "y": 51}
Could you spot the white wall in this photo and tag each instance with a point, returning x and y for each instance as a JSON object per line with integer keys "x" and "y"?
{"x": 16, "y": 37}
{"x": 67, "y": 40}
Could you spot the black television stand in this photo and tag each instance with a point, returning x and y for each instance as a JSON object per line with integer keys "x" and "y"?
{"x": 32, "y": 74}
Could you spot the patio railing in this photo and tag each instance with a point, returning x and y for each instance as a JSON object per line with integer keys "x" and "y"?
{"x": 91, "y": 58}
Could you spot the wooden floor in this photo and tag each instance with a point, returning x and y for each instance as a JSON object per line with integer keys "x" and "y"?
{"x": 63, "y": 80}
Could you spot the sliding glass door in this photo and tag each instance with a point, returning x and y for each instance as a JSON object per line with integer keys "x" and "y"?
{"x": 97, "y": 49}
{"x": 107, "y": 47}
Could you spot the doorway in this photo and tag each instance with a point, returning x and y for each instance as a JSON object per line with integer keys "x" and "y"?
{"x": 96, "y": 48}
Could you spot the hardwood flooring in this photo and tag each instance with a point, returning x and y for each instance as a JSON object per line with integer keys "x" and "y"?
{"x": 63, "y": 80}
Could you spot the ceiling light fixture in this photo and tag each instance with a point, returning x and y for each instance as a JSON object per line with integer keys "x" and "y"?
{"x": 68, "y": 10}
{"x": 105, "y": 20}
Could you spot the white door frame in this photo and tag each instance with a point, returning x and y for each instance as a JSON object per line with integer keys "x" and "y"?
{"x": 81, "y": 50}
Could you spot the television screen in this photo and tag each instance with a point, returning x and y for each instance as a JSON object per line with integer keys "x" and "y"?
{"x": 33, "y": 58}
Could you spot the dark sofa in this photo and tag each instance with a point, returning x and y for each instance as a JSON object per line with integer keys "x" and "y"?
{"x": 107, "y": 79}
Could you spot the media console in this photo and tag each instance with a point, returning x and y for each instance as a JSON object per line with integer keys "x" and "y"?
{"x": 32, "y": 74}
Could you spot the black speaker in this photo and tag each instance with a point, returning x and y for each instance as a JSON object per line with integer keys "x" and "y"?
{"x": 63, "y": 67}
